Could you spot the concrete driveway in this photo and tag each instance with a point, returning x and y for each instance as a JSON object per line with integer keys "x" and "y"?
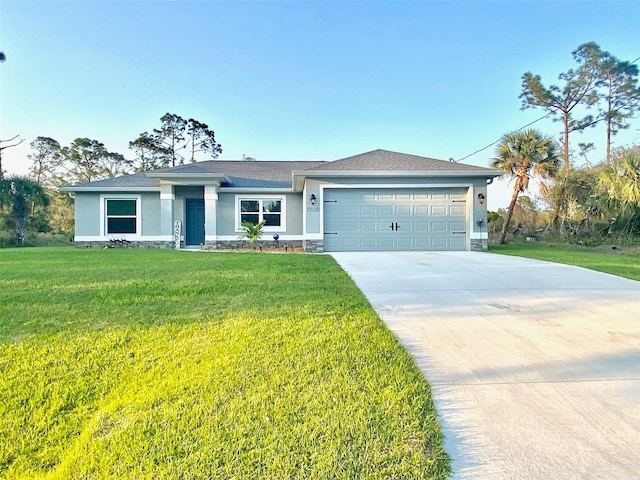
{"x": 534, "y": 366}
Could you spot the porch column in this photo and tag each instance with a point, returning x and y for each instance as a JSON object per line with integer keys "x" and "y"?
{"x": 210, "y": 212}
{"x": 167, "y": 197}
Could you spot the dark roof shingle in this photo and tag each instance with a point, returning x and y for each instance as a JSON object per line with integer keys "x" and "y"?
{"x": 385, "y": 160}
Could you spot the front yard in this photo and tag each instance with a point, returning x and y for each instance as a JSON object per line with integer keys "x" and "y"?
{"x": 616, "y": 261}
{"x": 128, "y": 363}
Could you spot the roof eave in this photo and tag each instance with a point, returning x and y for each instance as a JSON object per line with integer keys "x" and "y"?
{"x": 300, "y": 175}
{"x": 80, "y": 188}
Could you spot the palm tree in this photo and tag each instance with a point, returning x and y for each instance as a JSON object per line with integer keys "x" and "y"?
{"x": 252, "y": 232}
{"x": 523, "y": 155}
{"x": 21, "y": 199}
{"x": 620, "y": 182}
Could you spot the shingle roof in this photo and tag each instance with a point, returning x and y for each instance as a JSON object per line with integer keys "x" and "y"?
{"x": 126, "y": 181}
{"x": 254, "y": 174}
{"x": 274, "y": 174}
{"x": 384, "y": 160}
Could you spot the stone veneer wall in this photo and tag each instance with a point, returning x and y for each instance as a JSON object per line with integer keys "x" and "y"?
{"x": 244, "y": 245}
{"x": 314, "y": 246}
{"x": 479, "y": 245}
{"x": 131, "y": 244}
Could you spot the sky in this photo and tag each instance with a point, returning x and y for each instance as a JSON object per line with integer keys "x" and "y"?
{"x": 297, "y": 80}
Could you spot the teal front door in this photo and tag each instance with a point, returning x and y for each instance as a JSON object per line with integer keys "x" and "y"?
{"x": 194, "y": 224}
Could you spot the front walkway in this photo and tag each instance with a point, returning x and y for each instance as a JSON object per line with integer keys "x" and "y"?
{"x": 534, "y": 366}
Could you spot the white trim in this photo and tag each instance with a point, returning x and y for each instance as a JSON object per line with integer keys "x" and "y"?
{"x": 109, "y": 189}
{"x": 166, "y": 192}
{"x": 470, "y": 234}
{"x": 283, "y": 213}
{"x": 300, "y": 176}
{"x": 324, "y": 185}
{"x": 225, "y": 238}
{"x": 103, "y": 214}
{"x": 314, "y": 236}
{"x": 210, "y": 238}
{"x": 256, "y": 190}
{"x": 132, "y": 238}
{"x": 479, "y": 236}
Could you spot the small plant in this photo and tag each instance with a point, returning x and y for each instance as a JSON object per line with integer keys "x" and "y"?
{"x": 252, "y": 232}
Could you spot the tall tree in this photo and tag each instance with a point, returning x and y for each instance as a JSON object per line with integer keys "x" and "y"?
{"x": 9, "y": 143}
{"x": 621, "y": 95}
{"x": 45, "y": 160}
{"x": 150, "y": 153}
{"x": 171, "y": 136}
{"x": 162, "y": 147}
{"x": 88, "y": 160}
{"x": 202, "y": 139}
{"x": 523, "y": 155}
{"x": 21, "y": 202}
{"x": 561, "y": 101}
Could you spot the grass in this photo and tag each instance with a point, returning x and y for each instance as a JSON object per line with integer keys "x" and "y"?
{"x": 623, "y": 265}
{"x": 127, "y": 363}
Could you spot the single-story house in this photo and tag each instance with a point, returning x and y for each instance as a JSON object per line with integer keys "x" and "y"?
{"x": 379, "y": 200}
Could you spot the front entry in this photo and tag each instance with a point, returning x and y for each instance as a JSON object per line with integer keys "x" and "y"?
{"x": 194, "y": 224}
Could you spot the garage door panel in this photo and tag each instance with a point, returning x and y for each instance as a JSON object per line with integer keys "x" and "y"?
{"x": 420, "y": 226}
{"x": 404, "y": 242}
{"x": 438, "y": 226}
{"x": 426, "y": 219}
{"x": 439, "y": 242}
{"x": 457, "y": 210}
{"x": 403, "y": 210}
{"x": 457, "y": 242}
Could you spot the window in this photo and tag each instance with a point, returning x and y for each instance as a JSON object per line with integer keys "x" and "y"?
{"x": 121, "y": 216}
{"x": 256, "y": 210}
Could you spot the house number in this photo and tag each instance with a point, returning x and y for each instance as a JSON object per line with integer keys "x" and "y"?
{"x": 313, "y": 209}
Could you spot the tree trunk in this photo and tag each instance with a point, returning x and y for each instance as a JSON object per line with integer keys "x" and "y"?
{"x": 565, "y": 150}
{"x": 507, "y": 219}
{"x": 609, "y": 126}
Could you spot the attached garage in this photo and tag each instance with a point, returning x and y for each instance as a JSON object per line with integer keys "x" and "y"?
{"x": 373, "y": 219}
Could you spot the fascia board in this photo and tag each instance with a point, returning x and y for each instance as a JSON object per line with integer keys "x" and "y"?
{"x": 108, "y": 189}
{"x": 256, "y": 190}
{"x": 299, "y": 176}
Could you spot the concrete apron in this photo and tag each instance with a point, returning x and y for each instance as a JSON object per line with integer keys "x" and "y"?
{"x": 534, "y": 366}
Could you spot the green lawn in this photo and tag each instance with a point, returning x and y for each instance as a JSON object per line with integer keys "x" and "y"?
{"x": 627, "y": 266}
{"x": 131, "y": 363}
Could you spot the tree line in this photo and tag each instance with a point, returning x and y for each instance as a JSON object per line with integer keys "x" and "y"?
{"x": 578, "y": 199}
{"x": 33, "y": 203}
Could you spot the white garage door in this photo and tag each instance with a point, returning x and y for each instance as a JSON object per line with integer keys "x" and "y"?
{"x": 395, "y": 219}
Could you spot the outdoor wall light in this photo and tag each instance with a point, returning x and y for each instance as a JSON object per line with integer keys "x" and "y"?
{"x": 313, "y": 199}
{"x": 481, "y": 198}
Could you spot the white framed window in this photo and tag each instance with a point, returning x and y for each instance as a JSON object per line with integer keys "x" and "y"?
{"x": 120, "y": 215}
{"x": 261, "y": 208}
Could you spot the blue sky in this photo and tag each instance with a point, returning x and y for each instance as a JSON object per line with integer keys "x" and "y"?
{"x": 296, "y": 80}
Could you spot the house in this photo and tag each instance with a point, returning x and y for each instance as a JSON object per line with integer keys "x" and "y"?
{"x": 379, "y": 200}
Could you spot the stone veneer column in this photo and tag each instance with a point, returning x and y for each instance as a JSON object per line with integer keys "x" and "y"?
{"x": 210, "y": 213}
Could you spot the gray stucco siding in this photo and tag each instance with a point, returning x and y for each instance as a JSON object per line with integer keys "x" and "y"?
{"x": 87, "y": 207}
{"x": 150, "y": 213}
{"x": 88, "y": 212}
